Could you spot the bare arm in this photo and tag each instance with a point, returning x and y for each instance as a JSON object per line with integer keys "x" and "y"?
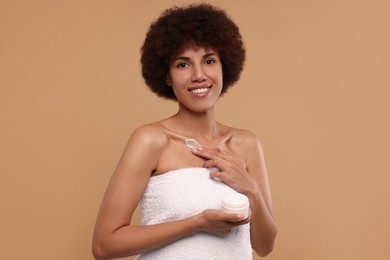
{"x": 248, "y": 175}
{"x": 114, "y": 237}
{"x": 263, "y": 225}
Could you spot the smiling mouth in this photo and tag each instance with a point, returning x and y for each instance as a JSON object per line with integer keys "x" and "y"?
{"x": 199, "y": 90}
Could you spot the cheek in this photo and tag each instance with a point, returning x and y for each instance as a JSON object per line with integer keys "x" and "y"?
{"x": 220, "y": 77}
{"x": 179, "y": 78}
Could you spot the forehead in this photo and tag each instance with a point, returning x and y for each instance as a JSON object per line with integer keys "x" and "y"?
{"x": 195, "y": 49}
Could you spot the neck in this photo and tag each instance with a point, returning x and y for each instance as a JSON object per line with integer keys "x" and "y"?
{"x": 197, "y": 124}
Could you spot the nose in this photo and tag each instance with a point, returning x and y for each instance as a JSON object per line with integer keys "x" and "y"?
{"x": 198, "y": 73}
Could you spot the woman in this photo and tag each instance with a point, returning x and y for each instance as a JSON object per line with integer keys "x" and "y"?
{"x": 191, "y": 55}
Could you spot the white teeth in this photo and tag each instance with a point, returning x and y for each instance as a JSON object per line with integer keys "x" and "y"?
{"x": 199, "y": 90}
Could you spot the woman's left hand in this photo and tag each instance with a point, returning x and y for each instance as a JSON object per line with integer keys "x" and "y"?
{"x": 232, "y": 169}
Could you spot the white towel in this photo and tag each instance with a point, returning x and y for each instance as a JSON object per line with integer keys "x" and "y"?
{"x": 182, "y": 193}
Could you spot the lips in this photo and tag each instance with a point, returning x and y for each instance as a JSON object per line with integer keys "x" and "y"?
{"x": 200, "y": 89}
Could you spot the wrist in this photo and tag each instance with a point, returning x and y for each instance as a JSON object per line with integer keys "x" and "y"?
{"x": 253, "y": 193}
{"x": 196, "y": 223}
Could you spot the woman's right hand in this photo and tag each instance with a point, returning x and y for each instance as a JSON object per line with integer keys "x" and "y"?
{"x": 221, "y": 223}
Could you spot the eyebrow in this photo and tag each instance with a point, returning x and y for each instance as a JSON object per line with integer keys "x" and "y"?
{"x": 187, "y": 58}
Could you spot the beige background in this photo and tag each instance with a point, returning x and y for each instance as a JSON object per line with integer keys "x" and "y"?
{"x": 316, "y": 90}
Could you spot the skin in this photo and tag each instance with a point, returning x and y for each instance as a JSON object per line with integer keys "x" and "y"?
{"x": 152, "y": 149}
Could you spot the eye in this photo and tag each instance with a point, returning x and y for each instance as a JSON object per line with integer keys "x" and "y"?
{"x": 210, "y": 61}
{"x": 182, "y": 65}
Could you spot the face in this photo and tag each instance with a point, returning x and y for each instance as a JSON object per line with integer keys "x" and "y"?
{"x": 196, "y": 78}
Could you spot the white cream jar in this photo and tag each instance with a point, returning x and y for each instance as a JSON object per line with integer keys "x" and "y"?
{"x": 235, "y": 203}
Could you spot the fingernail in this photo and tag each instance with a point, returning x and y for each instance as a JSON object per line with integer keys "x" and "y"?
{"x": 240, "y": 216}
{"x": 222, "y": 150}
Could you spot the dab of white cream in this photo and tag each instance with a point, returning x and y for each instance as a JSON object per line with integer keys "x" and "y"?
{"x": 192, "y": 144}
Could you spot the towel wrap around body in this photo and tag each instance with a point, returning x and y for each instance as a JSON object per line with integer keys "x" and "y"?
{"x": 182, "y": 193}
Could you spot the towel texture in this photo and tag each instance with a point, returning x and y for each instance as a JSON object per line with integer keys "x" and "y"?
{"x": 182, "y": 193}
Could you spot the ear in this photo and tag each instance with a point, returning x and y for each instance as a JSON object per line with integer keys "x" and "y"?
{"x": 168, "y": 81}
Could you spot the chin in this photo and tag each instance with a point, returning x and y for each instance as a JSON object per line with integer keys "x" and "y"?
{"x": 202, "y": 109}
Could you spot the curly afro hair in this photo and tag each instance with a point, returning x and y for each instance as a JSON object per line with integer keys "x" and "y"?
{"x": 177, "y": 27}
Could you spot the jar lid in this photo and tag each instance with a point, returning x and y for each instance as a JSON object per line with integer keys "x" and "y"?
{"x": 235, "y": 200}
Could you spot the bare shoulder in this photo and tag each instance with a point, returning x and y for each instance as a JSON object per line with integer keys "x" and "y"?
{"x": 245, "y": 144}
{"x": 151, "y": 135}
{"x": 244, "y": 139}
{"x": 248, "y": 146}
{"x": 145, "y": 146}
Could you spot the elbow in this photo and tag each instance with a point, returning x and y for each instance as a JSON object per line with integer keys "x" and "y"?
{"x": 267, "y": 247}
{"x": 263, "y": 252}
{"x": 99, "y": 252}
{"x": 105, "y": 250}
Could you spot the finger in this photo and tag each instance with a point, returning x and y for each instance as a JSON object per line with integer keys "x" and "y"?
{"x": 247, "y": 219}
{"x": 217, "y": 175}
{"x": 216, "y": 158}
{"x": 234, "y": 217}
{"x": 243, "y": 222}
{"x": 203, "y": 152}
{"x": 223, "y": 150}
{"x": 210, "y": 164}
{"x": 225, "y": 153}
{"x": 222, "y": 164}
{"x": 218, "y": 154}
